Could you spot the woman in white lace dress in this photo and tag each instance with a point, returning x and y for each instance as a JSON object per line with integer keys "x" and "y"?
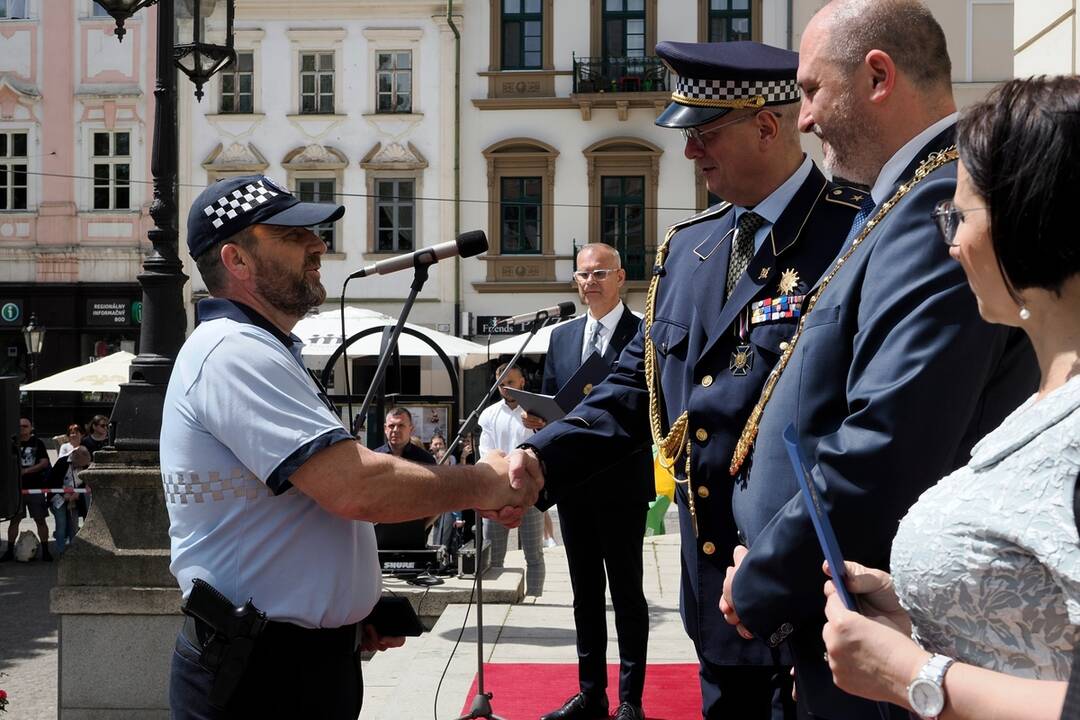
{"x": 980, "y": 616}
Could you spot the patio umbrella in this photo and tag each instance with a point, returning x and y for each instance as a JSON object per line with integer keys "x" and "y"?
{"x": 104, "y": 375}
{"x": 321, "y": 334}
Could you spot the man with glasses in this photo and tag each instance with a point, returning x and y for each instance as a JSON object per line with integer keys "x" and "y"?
{"x": 892, "y": 375}
{"x": 606, "y": 535}
{"x": 727, "y": 293}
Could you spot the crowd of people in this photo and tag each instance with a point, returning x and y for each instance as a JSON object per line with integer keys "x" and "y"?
{"x": 38, "y": 474}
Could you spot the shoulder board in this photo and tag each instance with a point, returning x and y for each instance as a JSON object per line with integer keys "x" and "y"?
{"x": 845, "y": 195}
{"x": 711, "y": 213}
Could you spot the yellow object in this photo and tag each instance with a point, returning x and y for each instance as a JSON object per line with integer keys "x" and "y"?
{"x": 665, "y": 480}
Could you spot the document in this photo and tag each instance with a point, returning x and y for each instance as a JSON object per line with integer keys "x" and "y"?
{"x": 554, "y": 407}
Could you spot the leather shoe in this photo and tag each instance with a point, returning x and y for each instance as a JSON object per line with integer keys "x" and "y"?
{"x": 581, "y": 707}
{"x": 629, "y": 711}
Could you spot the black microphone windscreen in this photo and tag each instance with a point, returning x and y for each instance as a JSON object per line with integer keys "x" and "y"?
{"x": 566, "y": 309}
{"x": 472, "y": 243}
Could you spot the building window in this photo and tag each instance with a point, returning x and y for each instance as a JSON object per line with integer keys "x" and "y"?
{"x": 317, "y": 83}
{"x": 393, "y": 82}
{"x": 624, "y": 28}
{"x": 395, "y": 215}
{"x": 237, "y": 82}
{"x": 520, "y": 201}
{"x": 13, "y": 10}
{"x": 729, "y": 20}
{"x": 112, "y": 170}
{"x": 13, "y": 171}
{"x": 622, "y": 220}
{"x": 319, "y": 190}
{"x": 97, "y": 11}
{"x": 522, "y": 35}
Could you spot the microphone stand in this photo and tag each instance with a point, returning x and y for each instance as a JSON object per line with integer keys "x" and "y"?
{"x": 420, "y": 276}
{"x": 481, "y": 704}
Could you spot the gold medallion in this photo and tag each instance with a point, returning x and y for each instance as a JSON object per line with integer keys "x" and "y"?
{"x": 587, "y": 389}
{"x": 764, "y": 273}
{"x": 789, "y": 280}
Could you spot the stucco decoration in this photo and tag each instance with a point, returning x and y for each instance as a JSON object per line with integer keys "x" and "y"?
{"x": 314, "y": 157}
{"x": 16, "y": 98}
{"x": 237, "y": 157}
{"x": 394, "y": 156}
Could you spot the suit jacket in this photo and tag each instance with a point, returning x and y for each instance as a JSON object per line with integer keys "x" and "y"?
{"x": 631, "y": 478}
{"x": 697, "y": 340}
{"x": 894, "y": 379}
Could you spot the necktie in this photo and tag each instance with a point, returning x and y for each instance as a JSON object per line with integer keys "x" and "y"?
{"x": 594, "y": 342}
{"x": 742, "y": 248}
{"x": 866, "y": 209}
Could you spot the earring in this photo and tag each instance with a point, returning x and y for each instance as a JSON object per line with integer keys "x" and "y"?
{"x": 1025, "y": 314}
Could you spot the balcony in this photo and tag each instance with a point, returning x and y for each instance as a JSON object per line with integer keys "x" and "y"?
{"x": 621, "y": 83}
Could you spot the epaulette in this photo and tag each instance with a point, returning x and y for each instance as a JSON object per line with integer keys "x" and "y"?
{"x": 711, "y": 213}
{"x": 845, "y": 195}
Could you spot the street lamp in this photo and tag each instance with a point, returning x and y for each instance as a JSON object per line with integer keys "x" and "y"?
{"x": 34, "y": 336}
{"x": 137, "y": 413}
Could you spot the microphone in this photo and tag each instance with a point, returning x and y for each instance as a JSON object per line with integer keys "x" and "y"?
{"x": 467, "y": 244}
{"x": 562, "y": 310}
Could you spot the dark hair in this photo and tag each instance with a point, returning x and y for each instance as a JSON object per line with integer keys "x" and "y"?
{"x": 905, "y": 29}
{"x": 1021, "y": 147}
{"x": 400, "y": 412}
{"x": 209, "y": 262}
{"x": 75, "y": 427}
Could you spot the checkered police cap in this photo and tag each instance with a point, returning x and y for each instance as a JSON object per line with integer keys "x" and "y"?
{"x": 712, "y": 79}
{"x": 229, "y": 206}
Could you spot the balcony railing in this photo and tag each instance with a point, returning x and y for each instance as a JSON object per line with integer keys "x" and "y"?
{"x": 619, "y": 74}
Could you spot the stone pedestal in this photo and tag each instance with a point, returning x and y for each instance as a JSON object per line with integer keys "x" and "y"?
{"x": 117, "y": 602}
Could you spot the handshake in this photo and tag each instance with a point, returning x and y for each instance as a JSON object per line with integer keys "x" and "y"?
{"x": 512, "y": 483}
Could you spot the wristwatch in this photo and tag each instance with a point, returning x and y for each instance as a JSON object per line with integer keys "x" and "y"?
{"x": 926, "y": 693}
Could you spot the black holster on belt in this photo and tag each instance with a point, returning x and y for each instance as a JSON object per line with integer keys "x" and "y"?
{"x": 231, "y": 636}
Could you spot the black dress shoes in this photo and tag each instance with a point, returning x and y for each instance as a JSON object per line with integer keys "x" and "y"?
{"x": 629, "y": 711}
{"x": 581, "y": 707}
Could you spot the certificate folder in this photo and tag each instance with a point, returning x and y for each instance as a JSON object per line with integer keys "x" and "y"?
{"x": 822, "y": 527}
{"x": 553, "y": 407}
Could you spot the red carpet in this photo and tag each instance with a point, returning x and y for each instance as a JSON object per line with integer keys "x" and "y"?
{"x": 525, "y": 691}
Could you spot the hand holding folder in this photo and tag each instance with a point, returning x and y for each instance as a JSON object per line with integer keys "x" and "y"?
{"x": 553, "y": 407}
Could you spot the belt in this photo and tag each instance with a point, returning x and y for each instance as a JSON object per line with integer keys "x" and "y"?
{"x": 278, "y": 636}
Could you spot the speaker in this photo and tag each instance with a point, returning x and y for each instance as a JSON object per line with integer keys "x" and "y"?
{"x": 9, "y": 446}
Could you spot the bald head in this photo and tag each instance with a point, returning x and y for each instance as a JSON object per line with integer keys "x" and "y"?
{"x": 904, "y": 29}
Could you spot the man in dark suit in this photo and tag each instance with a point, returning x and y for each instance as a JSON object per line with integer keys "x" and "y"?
{"x": 603, "y": 522}
{"x": 892, "y": 375}
{"x": 726, "y": 294}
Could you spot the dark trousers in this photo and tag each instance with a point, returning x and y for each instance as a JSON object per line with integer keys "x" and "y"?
{"x": 745, "y": 693}
{"x": 601, "y": 535}
{"x": 290, "y": 674}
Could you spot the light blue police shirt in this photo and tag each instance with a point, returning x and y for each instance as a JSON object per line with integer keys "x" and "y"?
{"x": 241, "y": 415}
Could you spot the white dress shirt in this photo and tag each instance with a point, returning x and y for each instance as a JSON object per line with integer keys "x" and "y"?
{"x": 608, "y": 323}
{"x": 501, "y": 428}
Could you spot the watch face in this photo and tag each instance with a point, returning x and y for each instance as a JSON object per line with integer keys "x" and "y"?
{"x": 927, "y": 698}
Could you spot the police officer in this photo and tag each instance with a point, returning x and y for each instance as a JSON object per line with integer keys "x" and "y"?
{"x": 269, "y": 497}
{"x": 727, "y": 291}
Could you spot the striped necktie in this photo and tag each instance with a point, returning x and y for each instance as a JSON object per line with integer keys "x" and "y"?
{"x": 742, "y": 248}
{"x": 594, "y": 342}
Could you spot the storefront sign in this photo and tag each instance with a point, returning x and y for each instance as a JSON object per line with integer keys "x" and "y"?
{"x": 107, "y": 311}
{"x": 11, "y": 312}
{"x": 136, "y": 312}
{"x": 486, "y": 325}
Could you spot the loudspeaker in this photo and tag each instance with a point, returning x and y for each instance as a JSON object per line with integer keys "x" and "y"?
{"x": 9, "y": 446}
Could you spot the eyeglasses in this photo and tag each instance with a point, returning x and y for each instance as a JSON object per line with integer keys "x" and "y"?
{"x": 948, "y": 218}
{"x": 584, "y": 276}
{"x": 700, "y": 137}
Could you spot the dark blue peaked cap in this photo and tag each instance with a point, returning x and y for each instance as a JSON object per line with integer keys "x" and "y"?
{"x": 712, "y": 79}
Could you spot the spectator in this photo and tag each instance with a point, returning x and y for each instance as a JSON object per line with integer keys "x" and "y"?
{"x": 99, "y": 434}
{"x": 399, "y": 433}
{"x": 438, "y": 450}
{"x": 33, "y": 464}
{"x": 63, "y": 505}
{"x": 74, "y": 439}
{"x": 980, "y": 616}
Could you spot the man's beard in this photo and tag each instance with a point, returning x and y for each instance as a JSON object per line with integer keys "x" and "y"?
{"x": 287, "y": 291}
{"x": 849, "y": 151}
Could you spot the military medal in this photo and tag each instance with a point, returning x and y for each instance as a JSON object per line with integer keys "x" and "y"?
{"x": 789, "y": 280}
{"x": 742, "y": 360}
{"x": 764, "y": 273}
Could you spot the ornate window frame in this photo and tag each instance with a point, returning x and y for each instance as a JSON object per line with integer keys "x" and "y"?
{"x": 521, "y": 83}
{"x": 317, "y": 162}
{"x": 385, "y": 40}
{"x": 703, "y": 20}
{"x": 393, "y": 162}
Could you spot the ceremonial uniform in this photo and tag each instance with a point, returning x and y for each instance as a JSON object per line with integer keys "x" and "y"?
{"x": 893, "y": 377}
{"x": 704, "y": 352}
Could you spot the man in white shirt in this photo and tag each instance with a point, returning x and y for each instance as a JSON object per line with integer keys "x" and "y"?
{"x": 502, "y": 428}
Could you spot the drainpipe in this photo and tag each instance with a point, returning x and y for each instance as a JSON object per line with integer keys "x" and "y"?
{"x": 790, "y": 23}
{"x": 457, "y": 160}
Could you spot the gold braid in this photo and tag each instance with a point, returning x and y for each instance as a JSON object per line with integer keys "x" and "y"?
{"x": 746, "y": 440}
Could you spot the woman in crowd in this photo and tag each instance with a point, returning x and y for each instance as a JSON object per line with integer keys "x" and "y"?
{"x": 74, "y": 440}
{"x": 99, "y": 434}
{"x": 986, "y": 565}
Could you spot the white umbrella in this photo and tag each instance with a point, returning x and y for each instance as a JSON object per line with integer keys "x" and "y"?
{"x": 538, "y": 345}
{"x": 321, "y": 334}
{"x": 104, "y": 375}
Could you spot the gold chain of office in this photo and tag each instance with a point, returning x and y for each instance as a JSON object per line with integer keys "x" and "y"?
{"x": 675, "y": 442}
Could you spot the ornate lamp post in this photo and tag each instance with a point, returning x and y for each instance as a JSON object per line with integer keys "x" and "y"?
{"x": 34, "y": 336}
{"x": 137, "y": 413}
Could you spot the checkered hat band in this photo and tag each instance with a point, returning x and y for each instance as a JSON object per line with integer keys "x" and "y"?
{"x": 238, "y": 202}
{"x": 735, "y": 93}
